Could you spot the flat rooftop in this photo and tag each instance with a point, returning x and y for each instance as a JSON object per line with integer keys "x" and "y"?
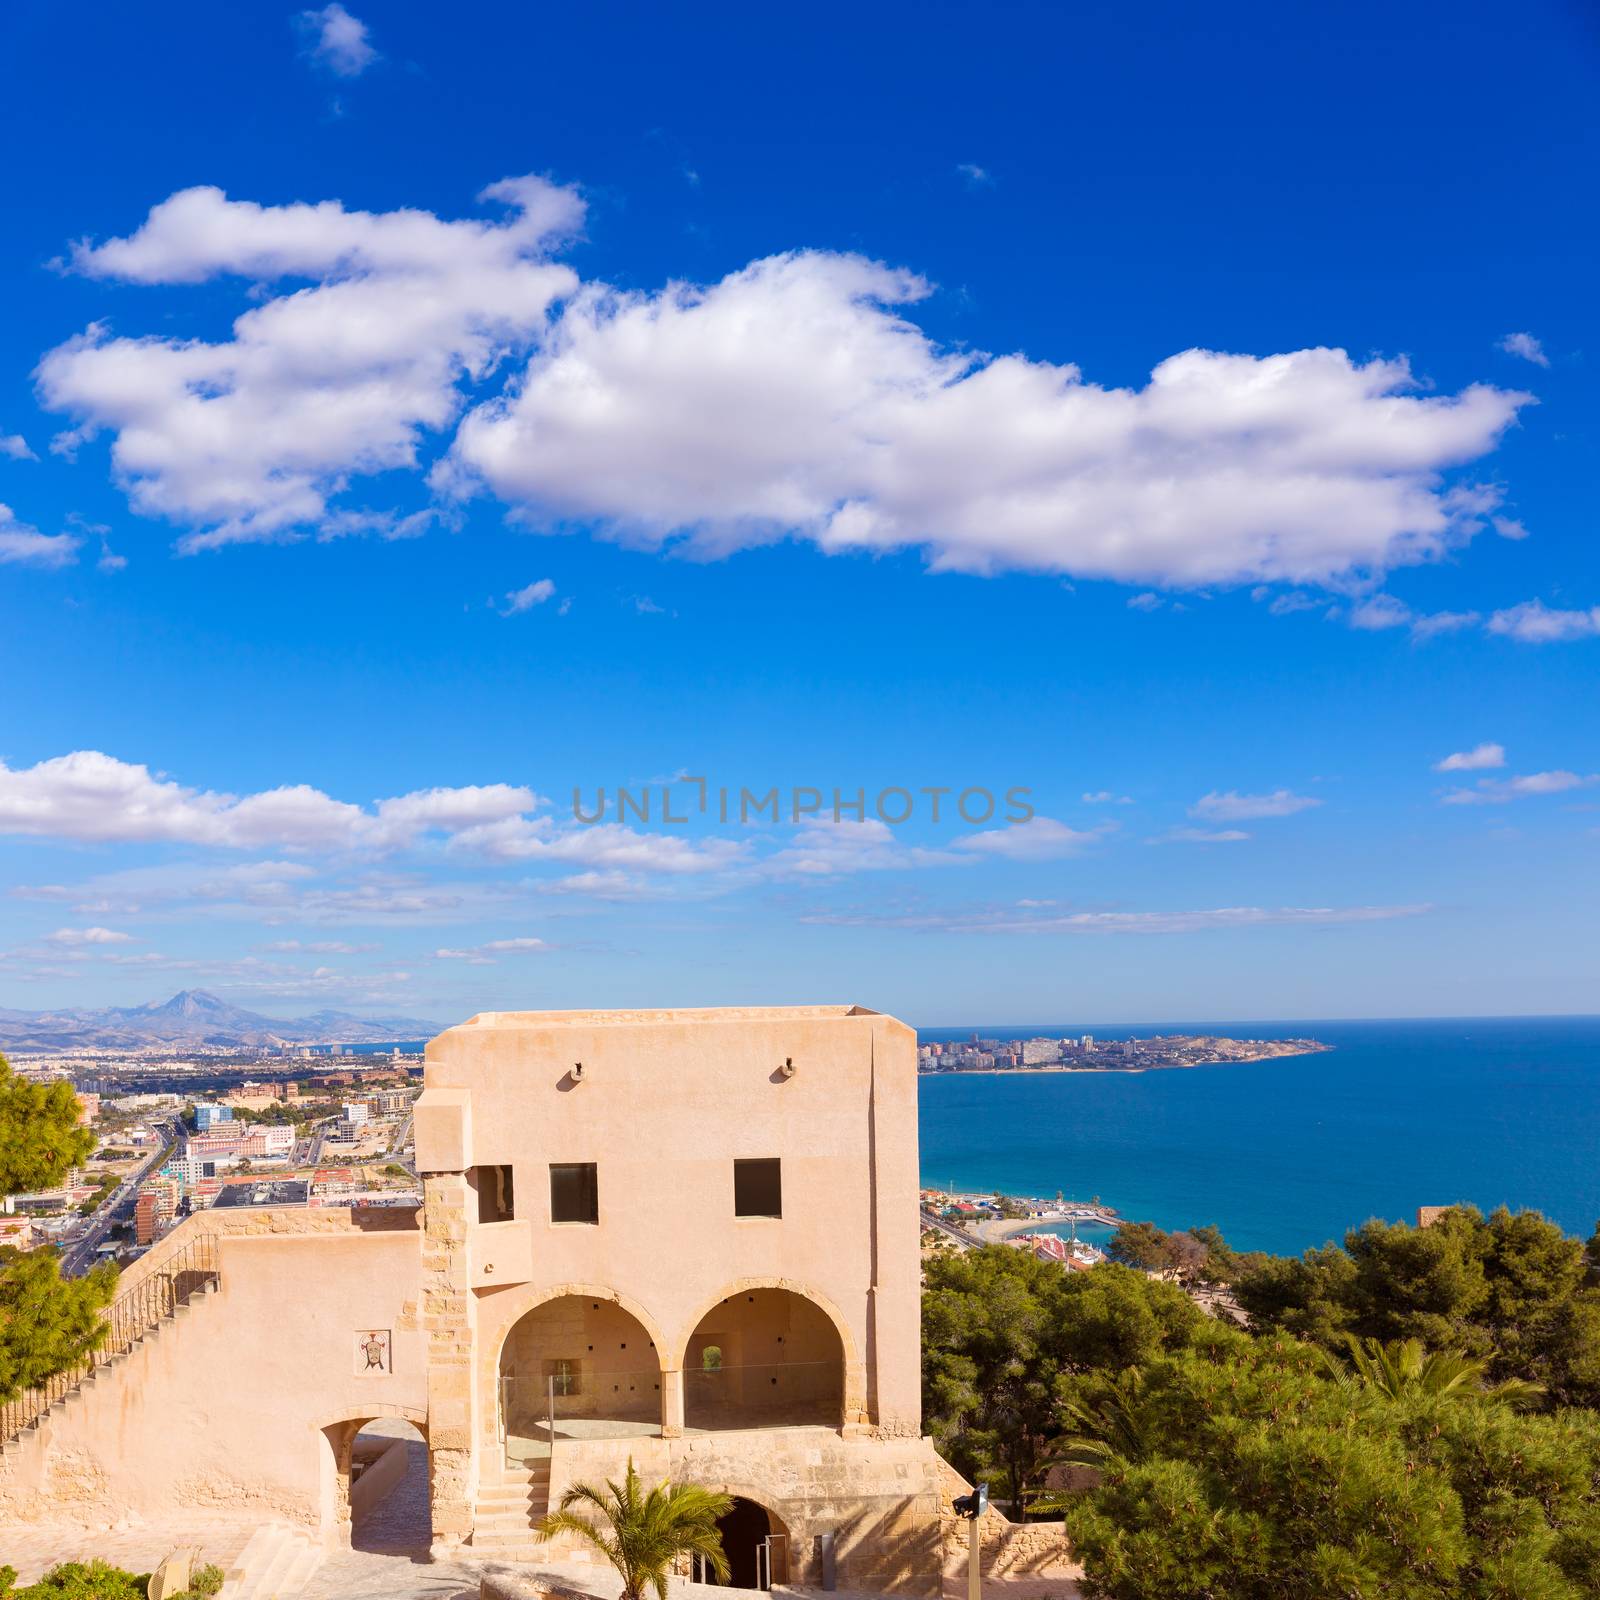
{"x": 587, "y": 1019}
{"x": 290, "y": 1192}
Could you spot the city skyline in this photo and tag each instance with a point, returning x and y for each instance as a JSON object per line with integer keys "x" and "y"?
{"x": 396, "y": 452}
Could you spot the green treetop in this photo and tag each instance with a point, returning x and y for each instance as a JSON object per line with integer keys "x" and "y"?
{"x": 47, "y": 1323}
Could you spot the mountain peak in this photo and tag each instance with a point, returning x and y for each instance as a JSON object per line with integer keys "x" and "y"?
{"x": 191, "y": 1003}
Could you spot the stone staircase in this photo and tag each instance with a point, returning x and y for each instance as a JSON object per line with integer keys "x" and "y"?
{"x": 133, "y": 1318}
{"x": 276, "y": 1564}
{"x": 512, "y": 1497}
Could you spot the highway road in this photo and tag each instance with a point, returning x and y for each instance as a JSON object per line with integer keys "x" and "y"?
{"x": 960, "y": 1235}
{"x": 79, "y": 1254}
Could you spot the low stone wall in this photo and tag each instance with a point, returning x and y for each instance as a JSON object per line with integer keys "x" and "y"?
{"x": 504, "y": 1584}
{"x": 880, "y": 1498}
{"x": 1006, "y": 1550}
{"x": 380, "y": 1476}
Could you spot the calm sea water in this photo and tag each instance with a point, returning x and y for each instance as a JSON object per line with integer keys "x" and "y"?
{"x": 1286, "y": 1154}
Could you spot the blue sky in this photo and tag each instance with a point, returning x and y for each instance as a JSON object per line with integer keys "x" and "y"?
{"x": 1187, "y": 418}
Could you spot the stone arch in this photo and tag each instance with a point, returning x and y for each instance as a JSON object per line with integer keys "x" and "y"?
{"x": 852, "y": 1356}
{"x": 338, "y": 1430}
{"x": 761, "y": 1498}
{"x": 571, "y": 1357}
{"x": 851, "y": 1395}
{"x": 524, "y": 1300}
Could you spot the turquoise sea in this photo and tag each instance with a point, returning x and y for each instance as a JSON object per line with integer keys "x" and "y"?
{"x": 1286, "y": 1154}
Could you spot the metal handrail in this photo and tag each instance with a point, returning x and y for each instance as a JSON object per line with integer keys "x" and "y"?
{"x": 129, "y": 1317}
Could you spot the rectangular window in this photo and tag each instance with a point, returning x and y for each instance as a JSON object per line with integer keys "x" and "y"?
{"x": 564, "y": 1376}
{"x": 574, "y": 1192}
{"x": 495, "y": 1202}
{"x": 758, "y": 1188}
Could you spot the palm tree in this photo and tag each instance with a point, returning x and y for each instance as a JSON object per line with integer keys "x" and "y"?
{"x": 642, "y": 1535}
{"x": 1403, "y": 1367}
{"x": 1118, "y": 1425}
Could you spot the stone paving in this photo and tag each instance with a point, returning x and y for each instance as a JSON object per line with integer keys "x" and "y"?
{"x": 139, "y": 1547}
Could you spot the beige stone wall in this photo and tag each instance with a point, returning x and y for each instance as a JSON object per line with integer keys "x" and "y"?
{"x": 880, "y": 1498}
{"x": 665, "y": 1103}
{"x": 226, "y": 1406}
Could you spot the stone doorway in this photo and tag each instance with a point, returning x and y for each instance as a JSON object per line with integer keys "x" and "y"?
{"x": 756, "y": 1545}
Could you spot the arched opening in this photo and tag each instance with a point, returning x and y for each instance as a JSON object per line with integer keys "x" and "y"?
{"x": 763, "y": 1358}
{"x": 756, "y": 1544}
{"x": 376, "y": 1492}
{"x": 577, "y": 1368}
{"x": 390, "y": 1508}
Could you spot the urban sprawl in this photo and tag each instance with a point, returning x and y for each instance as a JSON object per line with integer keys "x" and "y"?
{"x": 176, "y": 1133}
{"x": 1088, "y": 1054}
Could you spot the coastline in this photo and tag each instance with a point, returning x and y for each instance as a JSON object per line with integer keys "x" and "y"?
{"x": 1310, "y": 1048}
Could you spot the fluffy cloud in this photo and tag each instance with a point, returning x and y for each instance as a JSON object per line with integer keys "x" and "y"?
{"x": 535, "y": 594}
{"x": 483, "y": 955}
{"x": 15, "y": 447}
{"x": 1497, "y": 791}
{"x": 1441, "y": 622}
{"x": 249, "y": 437}
{"x": 1380, "y": 611}
{"x": 1533, "y": 622}
{"x": 1201, "y": 836}
{"x": 81, "y": 936}
{"x": 95, "y": 797}
{"x": 1236, "y": 807}
{"x": 795, "y": 397}
{"x": 21, "y": 545}
{"x": 1525, "y": 346}
{"x": 338, "y": 40}
{"x": 604, "y": 845}
{"x": 1038, "y": 839}
{"x": 1007, "y": 920}
{"x": 1476, "y": 759}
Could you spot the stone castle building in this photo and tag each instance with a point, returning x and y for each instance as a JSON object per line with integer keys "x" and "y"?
{"x": 685, "y": 1237}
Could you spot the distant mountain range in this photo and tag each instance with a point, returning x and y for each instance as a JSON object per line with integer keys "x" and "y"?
{"x": 194, "y": 1017}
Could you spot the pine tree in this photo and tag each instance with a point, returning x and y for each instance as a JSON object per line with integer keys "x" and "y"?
{"x": 47, "y": 1322}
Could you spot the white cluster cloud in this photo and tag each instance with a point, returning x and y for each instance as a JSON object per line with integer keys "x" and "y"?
{"x": 1026, "y": 920}
{"x": 82, "y": 936}
{"x": 1533, "y": 622}
{"x": 525, "y": 599}
{"x": 603, "y": 845}
{"x": 795, "y": 397}
{"x": 95, "y": 797}
{"x": 1525, "y": 346}
{"x": 22, "y": 546}
{"x": 1479, "y": 757}
{"x": 483, "y": 955}
{"x": 1498, "y": 791}
{"x": 339, "y": 41}
{"x": 249, "y": 438}
{"x": 1235, "y": 807}
{"x": 15, "y": 447}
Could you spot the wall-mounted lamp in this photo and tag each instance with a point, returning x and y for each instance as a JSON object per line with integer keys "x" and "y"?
{"x": 787, "y": 1069}
{"x": 577, "y": 1072}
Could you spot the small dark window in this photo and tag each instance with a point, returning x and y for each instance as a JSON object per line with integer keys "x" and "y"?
{"x": 574, "y": 1193}
{"x": 758, "y": 1188}
{"x": 565, "y": 1377}
{"x": 495, "y": 1203}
